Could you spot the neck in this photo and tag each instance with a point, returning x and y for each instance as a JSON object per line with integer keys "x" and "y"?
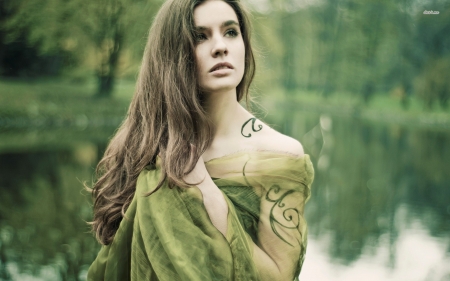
{"x": 226, "y": 113}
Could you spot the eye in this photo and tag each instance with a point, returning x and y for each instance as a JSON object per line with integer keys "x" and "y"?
{"x": 231, "y": 33}
{"x": 199, "y": 37}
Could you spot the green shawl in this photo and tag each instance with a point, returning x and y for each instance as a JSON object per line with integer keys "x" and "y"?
{"x": 169, "y": 235}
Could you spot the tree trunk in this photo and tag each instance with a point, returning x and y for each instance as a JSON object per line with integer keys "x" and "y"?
{"x": 373, "y": 29}
{"x": 106, "y": 75}
{"x": 3, "y": 15}
{"x": 335, "y": 33}
{"x": 105, "y": 86}
{"x": 110, "y": 49}
{"x": 288, "y": 34}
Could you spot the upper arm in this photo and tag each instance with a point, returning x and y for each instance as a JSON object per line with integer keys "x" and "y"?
{"x": 280, "y": 240}
{"x": 280, "y": 232}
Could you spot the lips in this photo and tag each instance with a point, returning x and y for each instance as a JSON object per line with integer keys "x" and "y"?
{"x": 221, "y": 65}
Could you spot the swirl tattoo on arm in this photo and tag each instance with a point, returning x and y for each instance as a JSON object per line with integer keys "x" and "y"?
{"x": 289, "y": 214}
{"x": 253, "y": 119}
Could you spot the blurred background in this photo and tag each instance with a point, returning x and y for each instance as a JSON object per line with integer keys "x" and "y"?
{"x": 364, "y": 85}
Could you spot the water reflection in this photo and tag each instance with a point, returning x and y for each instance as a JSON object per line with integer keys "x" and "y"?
{"x": 366, "y": 173}
{"x": 379, "y": 209}
{"x": 43, "y": 212}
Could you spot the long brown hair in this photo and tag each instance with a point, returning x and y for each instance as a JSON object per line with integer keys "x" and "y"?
{"x": 165, "y": 116}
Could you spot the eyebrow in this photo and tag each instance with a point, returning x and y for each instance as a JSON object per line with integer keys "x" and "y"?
{"x": 224, "y": 24}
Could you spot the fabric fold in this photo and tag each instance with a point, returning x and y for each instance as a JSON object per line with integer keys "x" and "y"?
{"x": 169, "y": 235}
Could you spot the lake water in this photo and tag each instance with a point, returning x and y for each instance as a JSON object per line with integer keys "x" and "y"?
{"x": 380, "y": 205}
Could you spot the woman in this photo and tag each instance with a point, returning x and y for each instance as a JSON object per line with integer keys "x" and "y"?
{"x": 193, "y": 186}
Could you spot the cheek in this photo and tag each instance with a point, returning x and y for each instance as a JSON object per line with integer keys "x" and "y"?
{"x": 242, "y": 56}
{"x": 199, "y": 60}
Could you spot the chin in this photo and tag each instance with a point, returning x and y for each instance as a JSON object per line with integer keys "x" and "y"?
{"x": 220, "y": 86}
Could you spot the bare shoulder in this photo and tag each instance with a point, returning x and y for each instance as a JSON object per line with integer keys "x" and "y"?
{"x": 274, "y": 140}
{"x": 253, "y": 135}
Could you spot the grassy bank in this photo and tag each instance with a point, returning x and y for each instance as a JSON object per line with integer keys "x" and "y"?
{"x": 64, "y": 103}
{"x": 382, "y": 108}
{"x": 60, "y": 103}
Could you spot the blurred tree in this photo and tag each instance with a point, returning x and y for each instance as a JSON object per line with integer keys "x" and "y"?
{"x": 289, "y": 36}
{"x": 329, "y": 35}
{"x": 404, "y": 29}
{"x": 433, "y": 84}
{"x": 363, "y": 47}
{"x": 334, "y": 46}
{"x": 105, "y": 29}
{"x": 434, "y": 43}
{"x": 109, "y": 26}
{"x": 90, "y": 30}
{"x": 283, "y": 35}
{"x": 19, "y": 58}
{"x": 3, "y": 15}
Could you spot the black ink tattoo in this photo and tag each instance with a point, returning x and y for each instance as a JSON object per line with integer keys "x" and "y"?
{"x": 253, "y": 119}
{"x": 287, "y": 216}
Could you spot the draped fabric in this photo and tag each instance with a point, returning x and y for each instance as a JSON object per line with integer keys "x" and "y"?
{"x": 169, "y": 235}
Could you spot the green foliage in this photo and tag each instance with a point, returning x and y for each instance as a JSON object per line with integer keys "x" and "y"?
{"x": 96, "y": 32}
{"x": 329, "y": 47}
{"x": 362, "y": 47}
{"x": 434, "y": 85}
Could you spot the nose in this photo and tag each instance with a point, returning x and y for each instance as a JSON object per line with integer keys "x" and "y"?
{"x": 219, "y": 48}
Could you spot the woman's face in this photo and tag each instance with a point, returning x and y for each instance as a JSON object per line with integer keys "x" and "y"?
{"x": 220, "y": 48}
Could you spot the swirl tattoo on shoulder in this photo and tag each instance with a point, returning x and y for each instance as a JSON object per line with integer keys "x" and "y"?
{"x": 253, "y": 119}
{"x": 289, "y": 214}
